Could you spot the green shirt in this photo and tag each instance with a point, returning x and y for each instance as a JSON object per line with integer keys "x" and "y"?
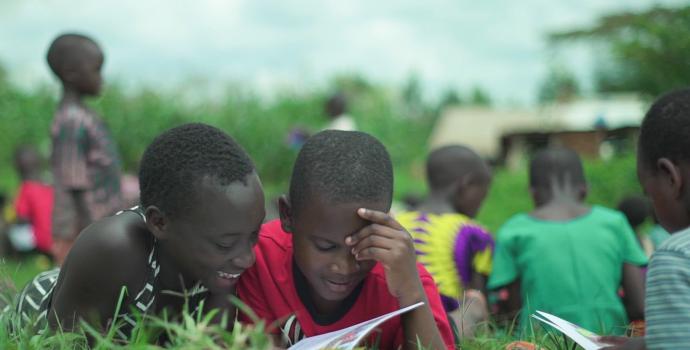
{"x": 571, "y": 269}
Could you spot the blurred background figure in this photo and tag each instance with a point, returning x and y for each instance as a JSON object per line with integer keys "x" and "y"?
{"x": 566, "y": 257}
{"x": 637, "y": 210}
{"x": 455, "y": 249}
{"x": 336, "y": 110}
{"x": 85, "y": 159}
{"x": 31, "y": 229}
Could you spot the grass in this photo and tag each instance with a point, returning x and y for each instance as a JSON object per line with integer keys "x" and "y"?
{"x": 196, "y": 331}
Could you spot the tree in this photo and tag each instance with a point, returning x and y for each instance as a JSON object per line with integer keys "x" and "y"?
{"x": 479, "y": 97}
{"x": 559, "y": 85}
{"x": 450, "y": 97}
{"x": 647, "y": 51}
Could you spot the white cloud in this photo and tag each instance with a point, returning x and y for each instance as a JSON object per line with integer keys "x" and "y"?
{"x": 498, "y": 44}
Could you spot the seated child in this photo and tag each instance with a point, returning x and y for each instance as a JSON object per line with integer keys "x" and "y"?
{"x": 335, "y": 258}
{"x": 34, "y": 202}
{"x": 201, "y": 208}
{"x": 568, "y": 258}
{"x": 657, "y": 234}
{"x": 636, "y": 210}
{"x": 454, "y": 249}
{"x": 663, "y": 168}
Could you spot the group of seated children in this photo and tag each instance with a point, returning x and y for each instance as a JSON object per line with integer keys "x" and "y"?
{"x": 337, "y": 257}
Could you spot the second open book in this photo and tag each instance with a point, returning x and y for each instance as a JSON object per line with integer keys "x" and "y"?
{"x": 586, "y": 339}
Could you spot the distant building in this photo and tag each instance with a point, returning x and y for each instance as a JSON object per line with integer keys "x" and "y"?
{"x": 597, "y": 127}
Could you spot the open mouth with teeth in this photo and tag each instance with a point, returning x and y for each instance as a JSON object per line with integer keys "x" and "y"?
{"x": 228, "y": 276}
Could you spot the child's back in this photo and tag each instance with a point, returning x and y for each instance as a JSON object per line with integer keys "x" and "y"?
{"x": 456, "y": 250}
{"x": 567, "y": 258}
{"x": 569, "y": 268}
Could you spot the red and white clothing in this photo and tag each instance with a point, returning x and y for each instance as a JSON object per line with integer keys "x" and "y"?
{"x": 34, "y": 204}
{"x": 275, "y": 290}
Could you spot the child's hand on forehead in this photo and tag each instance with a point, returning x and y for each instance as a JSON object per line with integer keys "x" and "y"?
{"x": 387, "y": 242}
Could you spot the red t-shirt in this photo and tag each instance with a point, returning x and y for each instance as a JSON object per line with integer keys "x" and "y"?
{"x": 270, "y": 290}
{"x": 34, "y": 203}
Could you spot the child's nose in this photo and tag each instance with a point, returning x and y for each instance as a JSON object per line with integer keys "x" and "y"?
{"x": 245, "y": 260}
{"x": 345, "y": 264}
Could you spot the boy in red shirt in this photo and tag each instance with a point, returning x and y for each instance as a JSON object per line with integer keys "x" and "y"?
{"x": 336, "y": 258}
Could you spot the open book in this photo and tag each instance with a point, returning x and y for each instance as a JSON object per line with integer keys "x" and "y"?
{"x": 348, "y": 338}
{"x": 586, "y": 339}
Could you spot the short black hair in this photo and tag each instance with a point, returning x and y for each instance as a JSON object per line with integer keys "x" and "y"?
{"x": 665, "y": 129}
{"x": 636, "y": 209}
{"x": 559, "y": 163}
{"x": 179, "y": 158}
{"x": 67, "y": 49}
{"x": 27, "y": 159}
{"x": 447, "y": 164}
{"x": 336, "y": 105}
{"x": 341, "y": 167}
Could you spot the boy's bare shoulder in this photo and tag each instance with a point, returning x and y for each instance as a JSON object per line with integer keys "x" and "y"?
{"x": 113, "y": 249}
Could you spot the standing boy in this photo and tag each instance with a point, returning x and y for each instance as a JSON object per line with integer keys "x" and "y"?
{"x": 85, "y": 161}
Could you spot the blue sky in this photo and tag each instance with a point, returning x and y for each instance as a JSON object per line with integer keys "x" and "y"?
{"x": 269, "y": 45}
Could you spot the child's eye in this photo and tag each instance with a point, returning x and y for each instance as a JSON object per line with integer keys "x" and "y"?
{"x": 223, "y": 247}
{"x": 324, "y": 247}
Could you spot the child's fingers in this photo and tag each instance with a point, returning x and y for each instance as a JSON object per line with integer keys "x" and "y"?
{"x": 374, "y": 253}
{"x": 373, "y": 229}
{"x": 374, "y": 241}
{"x": 379, "y": 217}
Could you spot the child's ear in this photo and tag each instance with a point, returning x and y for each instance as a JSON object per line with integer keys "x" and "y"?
{"x": 156, "y": 221}
{"x": 672, "y": 174}
{"x": 285, "y": 212}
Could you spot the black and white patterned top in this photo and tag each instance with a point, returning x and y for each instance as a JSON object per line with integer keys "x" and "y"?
{"x": 35, "y": 300}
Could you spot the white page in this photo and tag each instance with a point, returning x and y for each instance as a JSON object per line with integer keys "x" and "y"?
{"x": 546, "y": 322}
{"x": 348, "y": 338}
{"x": 581, "y": 336}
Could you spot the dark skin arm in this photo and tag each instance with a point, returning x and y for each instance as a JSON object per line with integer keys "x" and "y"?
{"x": 510, "y": 308}
{"x": 81, "y": 210}
{"x": 623, "y": 343}
{"x": 478, "y": 282}
{"x": 634, "y": 289}
{"x": 387, "y": 242}
{"x": 92, "y": 278}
